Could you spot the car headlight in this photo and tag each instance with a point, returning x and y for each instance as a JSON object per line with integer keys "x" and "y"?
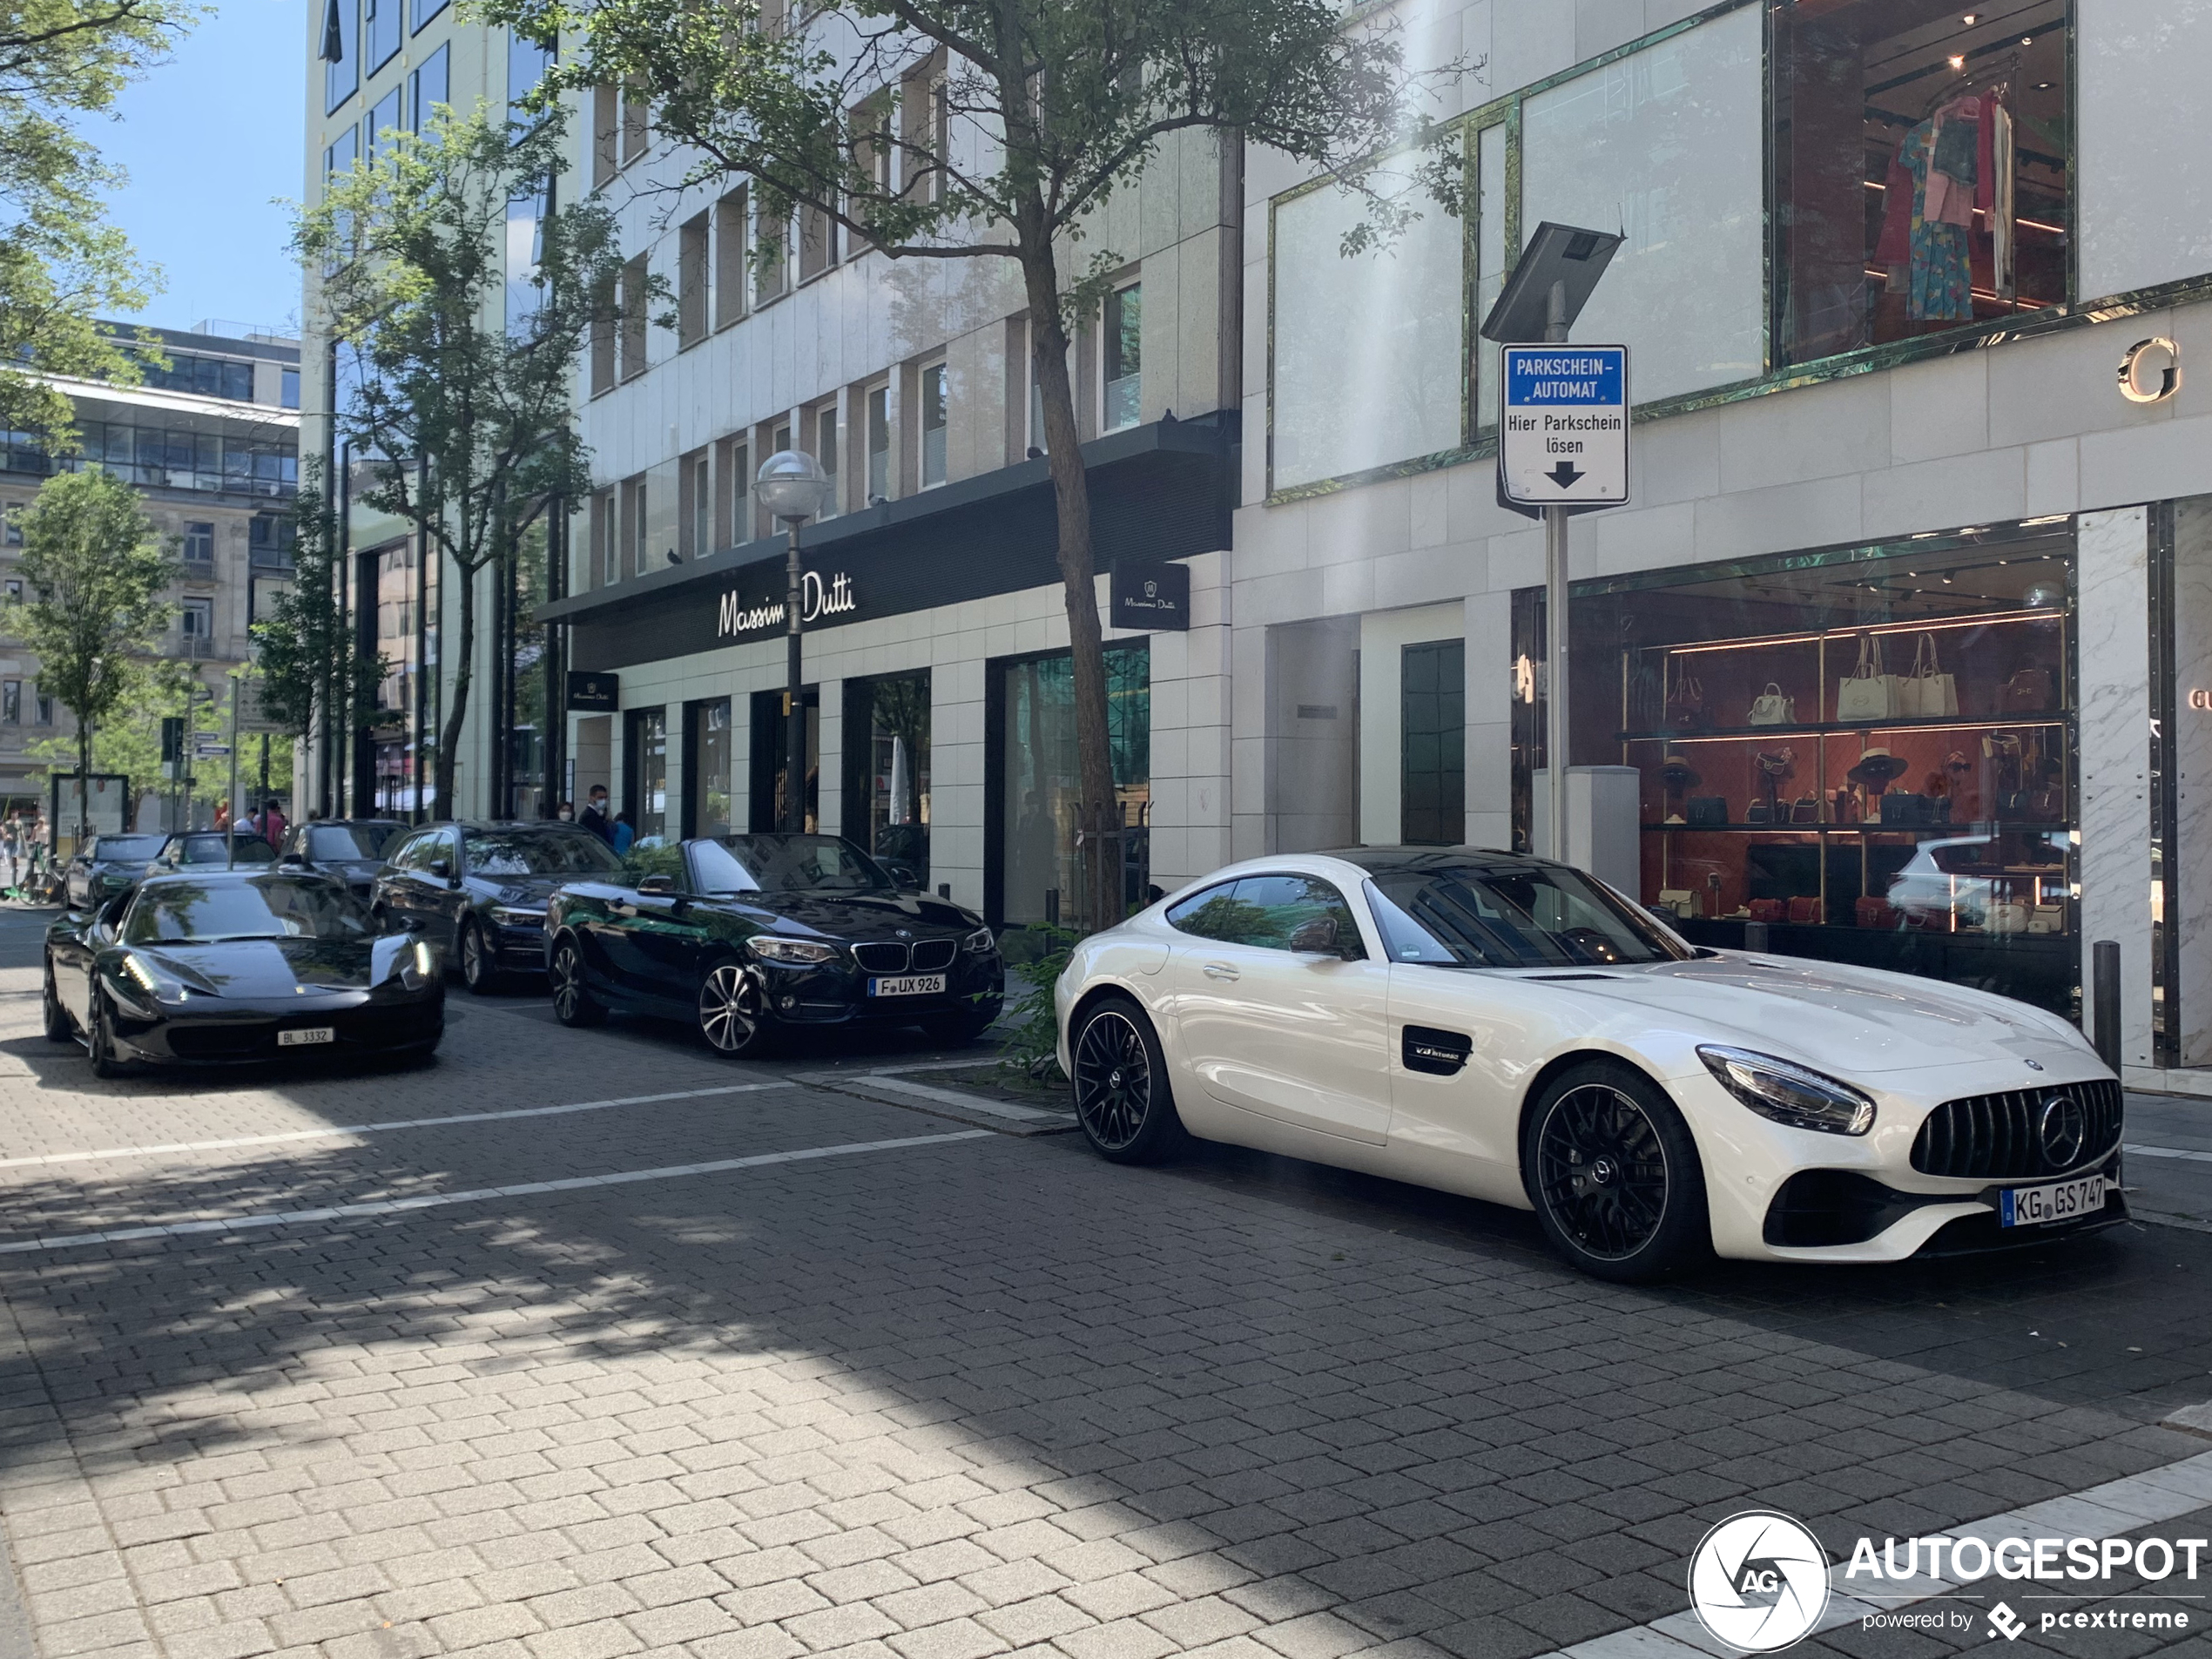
{"x": 1789, "y": 1093}
{"x": 507, "y": 916}
{"x": 418, "y": 964}
{"x": 155, "y": 982}
{"x": 776, "y": 948}
{"x": 981, "y": 941}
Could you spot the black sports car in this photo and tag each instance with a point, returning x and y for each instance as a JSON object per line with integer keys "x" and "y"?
{"x": 351, "y": 849}
{"x": 761, "y": 936}
{"x": 479, "y": 889}
{"x": 112, "y": 865}
{"x": 223, "y": 966}
{"x": 211, "y": 849}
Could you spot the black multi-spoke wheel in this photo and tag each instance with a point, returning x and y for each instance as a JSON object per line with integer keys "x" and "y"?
{"x": 1122, "y": 1100}
{"x": 573, "y": 1003}
{"x": 100, "y": 1042}
{"x": 479, "y": 971}
{"x": 59, "y": 1027}
{"x": 731, "y": 1018}
{"x": 1615, "y": 1175}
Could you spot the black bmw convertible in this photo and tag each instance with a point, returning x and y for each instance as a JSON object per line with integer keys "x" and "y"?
{"x": 757, "y": 937}
{"x": 228, "y": 966}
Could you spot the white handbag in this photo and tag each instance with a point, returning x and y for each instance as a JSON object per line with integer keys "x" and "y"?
{"x": 2047, "y": 919}
{"x": 1868, "y": 694}
{"x": 2008, "y": 916}
{"x": 1769, "y": 707}
{"x": 1927, "y": 693}
{"x": 1679, "y": 902}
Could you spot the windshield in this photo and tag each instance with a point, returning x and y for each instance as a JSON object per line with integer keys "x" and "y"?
{"x": 787, "y": 863}
{"x": 267, "y": 907}
{"x": 125, "y": 846}
{"x": 348, "y": 841}
{"x": 536, "y": 853}
{"x": 1470, "y": 915}
{"x": 208, "y": 849}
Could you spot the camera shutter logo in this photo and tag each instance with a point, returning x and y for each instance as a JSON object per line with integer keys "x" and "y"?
{"x": 2063, "y": 1127}
{"x": 1759, "y": 1581}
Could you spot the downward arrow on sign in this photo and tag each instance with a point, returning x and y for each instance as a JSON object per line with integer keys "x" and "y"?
{"x": 1564, "y": 475}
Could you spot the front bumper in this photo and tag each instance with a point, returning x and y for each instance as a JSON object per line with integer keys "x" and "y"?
{"x": 519, "y": 949}
{"x": 837, "y": 994}
{"x": 363, "y": 1024}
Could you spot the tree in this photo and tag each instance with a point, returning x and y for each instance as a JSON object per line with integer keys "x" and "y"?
{"x": 1040, "y": 111}
{"x": 411, "y": 252}
{"x": 97, "y": 576}
{"x": 62, "y": 266}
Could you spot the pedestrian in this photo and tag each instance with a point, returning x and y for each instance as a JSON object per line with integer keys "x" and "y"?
{"x": 222, "y": 815}
{"x": 11, "y": 849}
{"x": 595, "y": 813}
{"x": 251, "y": 828}
{"x": 565, "y": 811}
{"x": 272, "y": 824}
{"x": 624, "y": 835}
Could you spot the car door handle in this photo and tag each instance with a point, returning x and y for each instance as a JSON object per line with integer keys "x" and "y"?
{"x": 1220, "y": 970}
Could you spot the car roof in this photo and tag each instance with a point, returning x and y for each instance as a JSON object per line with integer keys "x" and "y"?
{"x": 1434, "y": 858}
{"x": 550, "y": 825}
{"x": 202, "y": 874}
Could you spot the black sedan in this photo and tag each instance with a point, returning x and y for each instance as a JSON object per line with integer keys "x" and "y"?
{"x": 223, "y": 967}
{"x": 112, "y": 865}
{"x": 480, "y": 890}
{"x": 352, "y": 849}
{"x": 758, "y": 937}
{"x": 210, "y": 849}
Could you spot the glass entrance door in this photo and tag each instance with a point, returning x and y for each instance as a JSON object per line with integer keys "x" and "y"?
{"x": 707, "y": 758}
{"x": 770, "y": 775}
{"x": 1036, "y": 816}
{"x": 886, "y": 771}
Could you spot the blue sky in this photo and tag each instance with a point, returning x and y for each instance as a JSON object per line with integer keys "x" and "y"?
{"x": 208, "y": 139}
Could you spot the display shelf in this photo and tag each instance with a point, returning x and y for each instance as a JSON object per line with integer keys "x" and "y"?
{"x": 1978, "y": 825}
{"x": 1842, "y": 728}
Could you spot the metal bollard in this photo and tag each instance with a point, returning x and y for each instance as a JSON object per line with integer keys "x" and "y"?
{"x": 2104, "y": 991}
{"x": 1755, "y": 936}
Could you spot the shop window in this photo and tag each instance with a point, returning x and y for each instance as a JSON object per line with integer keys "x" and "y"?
{"x": 1920, "y": 170}
{"x": 645, "y": 770}
{"x": 887, "y": 772}
{"x": 1366, "y": 356}
{"x": 1431, "y": 702}
{"x": 1121, "y": 347}
{"x": 708, "y": 756}
{"x": 1665, "y": 145}
{"x": 1037, "y": 788}
{"x": 1869, "y": 752}
{"x": 770, "y": 776}
{"x": 934, "y": 420}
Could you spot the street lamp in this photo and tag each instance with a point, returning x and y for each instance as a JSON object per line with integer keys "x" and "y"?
{"x": 795, "y": 489}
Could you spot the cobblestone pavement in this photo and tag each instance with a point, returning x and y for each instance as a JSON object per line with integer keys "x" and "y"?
{"x": 931, "y": 1392}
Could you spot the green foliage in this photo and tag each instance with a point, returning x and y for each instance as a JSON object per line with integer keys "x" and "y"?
{"x": 464, "y": 411}
{"x": 1031, "y": 1042}
{"x": 62, "y": 265}
{"x": 665, "y": 859}
{"x": 96, "y": 578}
{"x": 309, "y": 659}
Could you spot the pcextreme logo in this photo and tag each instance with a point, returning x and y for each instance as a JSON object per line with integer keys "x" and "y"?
{"x": 1759, "y": 1581}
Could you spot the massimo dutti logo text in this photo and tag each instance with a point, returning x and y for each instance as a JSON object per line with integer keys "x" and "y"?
{"x": 818, "y": 598}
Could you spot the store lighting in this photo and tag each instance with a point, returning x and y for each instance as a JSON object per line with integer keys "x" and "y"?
{"x": 1958, "y": 60}
{"x": 1972, "y": 16}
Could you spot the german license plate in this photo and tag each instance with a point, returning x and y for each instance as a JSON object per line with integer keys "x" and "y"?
{"x": 908, "y": 985}
{"x": 307, "y": 1035}
{"x": 2038, "y": 1206}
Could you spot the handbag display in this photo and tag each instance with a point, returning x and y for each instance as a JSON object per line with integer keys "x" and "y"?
{"x": 1679, "y": 902}
{"x": 1867, "y": 693}
{"x": 1768, "y": 909}
{"x": 1927, "y": 693}
{"x": 1686, "y": 703}
{"x": 1806, "y": 810}
{"x": 2047, "y": 919}
{"x": 1708, "y": 811}
{"x": 1758, "y": 813}
{"x": 2007, "y": 916}
{"x": 1771, "y": 707}
{"x": 2029, "y": 691}
{"x": 1870, "y": 912}
{"x": 1807, "y": 913}
{"x": 1913, "y": 812}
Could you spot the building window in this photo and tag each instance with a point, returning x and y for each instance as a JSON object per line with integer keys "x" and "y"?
{"x": 770, "y": 271}
{"x": 731, "y": 250}
{"x": 424, "y": 11}
{"x": 288, "y": 397}
{"x": 644, "y": 771}
{"x": 1037, "y": 807}
{"x": 429, "y": 86}
{"x": 635, "y": 128}
{"x": 631, "y": 336}
{"x": 737, "y": 463}
{"x": 825, "y": 453}
{"x": 886, "y": 798}
{"x": 606, "y": 557}
{"x": 696, "y": 485}
{"x": 634, "y": 532}
{"x": 1921, "y": 168}
{"x": 380, "y": 31}
{"x": 1665, "y": 142}
{"x": 196, "y": 625}
{"x": 1432, "y": 736}
{"x": 15, "y": 589}
{"x": 816, "y": 242}
{"x": 13, "y": 536}
{"x": 341, "y": 75}
{"x": 879, "y": 406}
{"x": 202, "y": 377}
{"x": 200, "y": 543}
{"x": 45, "y": 709}
{"x": 691, "y": 282}
{"x": 708, "y": 757}
{"x": 933, "y": 425}
{"x": 269, "y": 541}
{"x": 11, "y": 702}
{"x": 1123, "y": 361}
{"x": 344, "y": 149}
{"x": 384, "y": 123}
{"x": 770, "y": 775}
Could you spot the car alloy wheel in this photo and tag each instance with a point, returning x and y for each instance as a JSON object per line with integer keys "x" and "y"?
{"x": 730, "y": 1016}
{"x": 1122, "y": 1100}
{"x": 1615, "y": 1175}
{"x": 101, "y": 1043}
{"x": 58, "y": 1026}
{"x": 572, "y": 1004}
{"x": 476, "y": 970}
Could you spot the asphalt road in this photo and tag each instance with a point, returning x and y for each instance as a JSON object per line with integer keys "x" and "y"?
{"x": 576, "y": 1345}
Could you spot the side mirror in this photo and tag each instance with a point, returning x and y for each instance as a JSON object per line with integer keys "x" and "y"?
{"x": 657, "y": 884}
{"x": 1316, "y": 938}
{"x": 293, "y": 860}
{"x": 441, "y": 868}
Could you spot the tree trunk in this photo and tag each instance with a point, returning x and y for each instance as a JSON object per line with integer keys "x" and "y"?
{"x": 449, "y": 740}
{"x": 1098, "y": 861}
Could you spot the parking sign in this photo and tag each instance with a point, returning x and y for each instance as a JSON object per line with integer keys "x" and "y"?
{"x": 1563, "y": 431}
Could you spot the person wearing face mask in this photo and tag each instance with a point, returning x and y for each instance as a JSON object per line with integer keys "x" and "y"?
{"x": 565, "y": 811}
{"x": 595, "y": 814}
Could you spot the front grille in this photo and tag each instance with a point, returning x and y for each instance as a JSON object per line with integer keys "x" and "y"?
{"x": 222, "y": 1042}
{"x": 934, "y": 954}
{"x": 881, "y": 958}
{"x": 1998, "y": 1137}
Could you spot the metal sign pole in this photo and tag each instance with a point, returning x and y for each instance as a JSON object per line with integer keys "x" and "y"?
{"x": 230, "y": 824}
{"x": 1555, "y": 622}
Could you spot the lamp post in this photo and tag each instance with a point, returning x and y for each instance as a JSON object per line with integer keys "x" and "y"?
{"x": 795, "y": 489}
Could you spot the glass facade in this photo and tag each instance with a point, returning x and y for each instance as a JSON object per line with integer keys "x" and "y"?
{"x": 886, "y": 771}
{"x": 1038, "y": 784}
{"x": 771, "y": 777}
{"x": 204, "y": 376}
{"x": 1871, "y": 749}
{"x": 645, "y": 770}
{"x": 164, "y": 458}
{"x": 708, "y": 756}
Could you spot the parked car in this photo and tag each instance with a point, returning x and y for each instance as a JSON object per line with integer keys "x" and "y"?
{"x": 224, "y": 966}
{"x": 200, "y": 849}
{"x": 351, "y": 849}
{"x": 112, "y": 865}
{"x": 479, "y": 889}
{"x": 757, "y": 937}
{"x": 1506, "y": 1028}
{"x": 1954, "y": 881}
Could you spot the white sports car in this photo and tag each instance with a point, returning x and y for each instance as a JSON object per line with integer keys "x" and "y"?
{"x": 1507, "y": 1028}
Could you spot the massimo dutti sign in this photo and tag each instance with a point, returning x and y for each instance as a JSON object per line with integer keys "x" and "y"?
{"x": 819, "y": 598}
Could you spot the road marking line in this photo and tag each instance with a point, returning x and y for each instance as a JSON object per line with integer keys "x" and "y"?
{"x": 2169, "y": 1152}
{"x": 475, "y": 1195}
{"x": 237, "y": 1140}
{"x": 2138, "y": 1500}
